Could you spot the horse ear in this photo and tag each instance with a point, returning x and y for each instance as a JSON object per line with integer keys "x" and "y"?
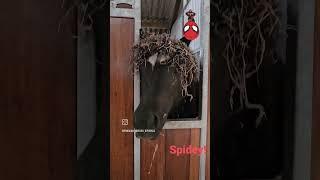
{"x": 186, "y": 41}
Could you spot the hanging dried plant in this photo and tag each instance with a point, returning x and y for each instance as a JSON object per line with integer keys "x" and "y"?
{"x": 248, "y": 28}
{"x": 177, "y": 54}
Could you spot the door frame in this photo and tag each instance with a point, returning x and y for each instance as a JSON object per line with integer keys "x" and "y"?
{"x": 134, "y": 13}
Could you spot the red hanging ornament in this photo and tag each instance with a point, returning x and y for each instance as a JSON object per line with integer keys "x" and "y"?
{"x": 191, "y": 29}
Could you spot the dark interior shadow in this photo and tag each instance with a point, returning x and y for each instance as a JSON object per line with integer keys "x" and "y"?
{"x": 242, "y": 151}
{"x": 93, "y": 162}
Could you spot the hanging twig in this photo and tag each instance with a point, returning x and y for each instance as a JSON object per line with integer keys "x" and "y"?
{"x": 154, "y": 153}
{"x": 248, "y": 27}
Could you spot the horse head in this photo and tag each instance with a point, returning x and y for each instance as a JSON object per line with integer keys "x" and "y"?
{"x": 166, "y": 71}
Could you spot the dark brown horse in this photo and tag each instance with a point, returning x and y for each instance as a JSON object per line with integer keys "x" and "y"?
{"x": 160, "y": 87}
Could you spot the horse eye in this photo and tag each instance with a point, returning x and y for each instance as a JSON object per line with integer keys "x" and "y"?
{"x": 186, "y": 28}
{"x": 195, "y": 28}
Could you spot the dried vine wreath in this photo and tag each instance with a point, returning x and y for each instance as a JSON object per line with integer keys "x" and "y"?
{"x": 179, "y": 56}
{"x": 248, "y": 27}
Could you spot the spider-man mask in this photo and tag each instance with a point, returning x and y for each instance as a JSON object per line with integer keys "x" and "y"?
{"x": 190, "y": 30}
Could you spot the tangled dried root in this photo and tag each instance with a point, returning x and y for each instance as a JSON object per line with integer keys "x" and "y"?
{"x": 179, "y": 56}
{"x": 249, "y": 28}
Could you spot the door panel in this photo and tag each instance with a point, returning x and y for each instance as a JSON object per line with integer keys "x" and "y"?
{"x": 121, "y": 98}
{"x": 167, "y": 166}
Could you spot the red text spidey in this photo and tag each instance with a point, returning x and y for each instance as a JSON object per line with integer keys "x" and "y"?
{"x": 190, "y": 29}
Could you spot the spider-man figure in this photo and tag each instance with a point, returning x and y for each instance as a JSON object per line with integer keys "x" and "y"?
{"x": 190, "y": 29}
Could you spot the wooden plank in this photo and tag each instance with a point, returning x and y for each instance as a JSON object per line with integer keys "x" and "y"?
{"x": 194, "y": 159}
{"x": 177, "y": 167}
{"x": 121, "y": 98}
{"x": 157, "y": 169}
{"x": 38, "y": 92}
{"x": 315, "y": 160}
{"x": 167, "y": 166}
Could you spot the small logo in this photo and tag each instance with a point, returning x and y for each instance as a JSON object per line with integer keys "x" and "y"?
{"x": 124, "y": 122}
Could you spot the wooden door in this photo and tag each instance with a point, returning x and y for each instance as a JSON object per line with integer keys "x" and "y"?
{"x": 121, "y": 98}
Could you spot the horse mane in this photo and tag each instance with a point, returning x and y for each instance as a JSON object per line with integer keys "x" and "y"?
{"x": 179, "y": 56}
